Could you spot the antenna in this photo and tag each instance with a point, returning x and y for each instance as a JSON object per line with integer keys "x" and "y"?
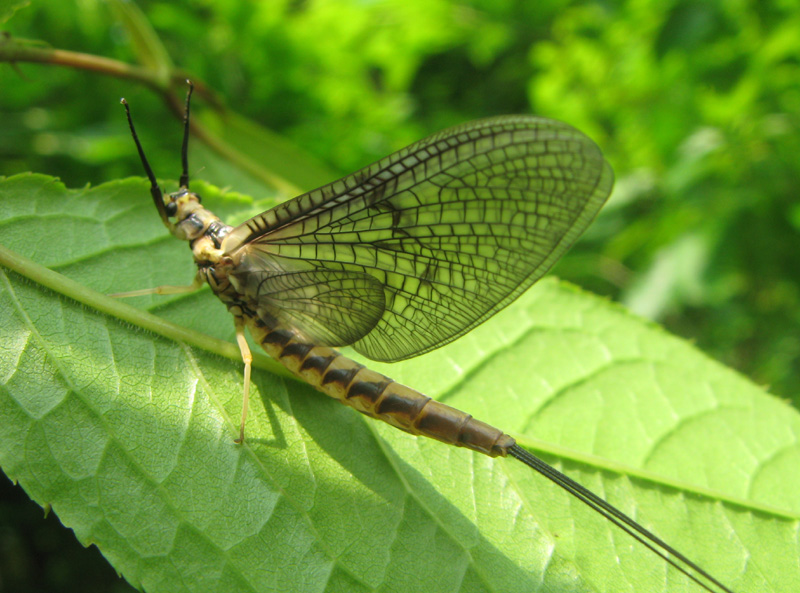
{"x": 155, "y": 190}
{"x": 184, "y": 181}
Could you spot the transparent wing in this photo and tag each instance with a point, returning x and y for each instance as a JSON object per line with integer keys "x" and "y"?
{"x": 451, "y": 228}
{"x": 332, "y": 307}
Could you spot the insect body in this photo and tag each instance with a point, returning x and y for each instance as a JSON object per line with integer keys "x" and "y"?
{"x": 400, "y": 258}
{"x": 243, "y": 287}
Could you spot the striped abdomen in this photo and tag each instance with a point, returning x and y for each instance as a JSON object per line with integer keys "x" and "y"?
{"x": 376, "y": 395}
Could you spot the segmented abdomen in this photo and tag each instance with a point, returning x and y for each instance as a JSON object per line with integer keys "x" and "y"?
{"x": 376, "y": 395}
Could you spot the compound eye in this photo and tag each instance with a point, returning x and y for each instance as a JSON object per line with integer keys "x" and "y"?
{"x": 171, "y": 208}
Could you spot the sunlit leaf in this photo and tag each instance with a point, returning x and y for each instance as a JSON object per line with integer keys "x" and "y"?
{"x": 129, "y": 436}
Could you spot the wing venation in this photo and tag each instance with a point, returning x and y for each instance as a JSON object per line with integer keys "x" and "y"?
{"x": 451, "y": 229}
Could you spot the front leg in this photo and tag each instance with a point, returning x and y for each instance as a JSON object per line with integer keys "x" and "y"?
{"x": 196, "y": 284}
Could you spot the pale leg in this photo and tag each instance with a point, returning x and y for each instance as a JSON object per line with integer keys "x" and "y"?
{"x": 195, "y": 285}
{"x": 247, "y": 359}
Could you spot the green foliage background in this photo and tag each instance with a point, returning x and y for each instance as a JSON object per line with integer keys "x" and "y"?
{"x": 696, "y": 105}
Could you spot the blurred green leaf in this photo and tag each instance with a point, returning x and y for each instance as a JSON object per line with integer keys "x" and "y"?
{"x": 9, "y": 7}
{"x": 262, "y": 154}
{"x": 150, "y": 52}
{"x": 129, "y": 436}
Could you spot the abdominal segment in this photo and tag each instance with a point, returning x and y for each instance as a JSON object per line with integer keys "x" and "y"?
{"x": 376, "y": 395}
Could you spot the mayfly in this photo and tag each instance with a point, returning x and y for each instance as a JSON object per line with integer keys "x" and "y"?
{"x": 400, "y": 258}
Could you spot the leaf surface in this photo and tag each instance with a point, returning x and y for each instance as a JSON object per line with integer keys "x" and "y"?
{"x": 128, "y": 433}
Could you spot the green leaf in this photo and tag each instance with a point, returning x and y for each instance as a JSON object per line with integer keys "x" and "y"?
{"x": 9, "y": 7}
{"x": 149, "y": 49}
{"x": 127, "y": 432}
{"x": 259, "y": 153}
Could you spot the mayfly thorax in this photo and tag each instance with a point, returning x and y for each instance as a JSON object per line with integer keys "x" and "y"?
{"x": 400, "y": 258}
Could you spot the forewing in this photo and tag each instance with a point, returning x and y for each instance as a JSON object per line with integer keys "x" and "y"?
{"x": 453, "y": 227}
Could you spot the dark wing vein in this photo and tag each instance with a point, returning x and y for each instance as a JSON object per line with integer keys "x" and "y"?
{"x": 431, "y": 240}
